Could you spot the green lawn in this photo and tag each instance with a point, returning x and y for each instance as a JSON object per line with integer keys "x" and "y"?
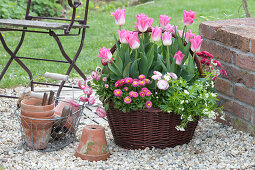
{"x": 101, "y": 34}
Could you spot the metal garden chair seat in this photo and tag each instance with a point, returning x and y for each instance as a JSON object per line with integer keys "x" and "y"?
{"x": 29, "y": 23}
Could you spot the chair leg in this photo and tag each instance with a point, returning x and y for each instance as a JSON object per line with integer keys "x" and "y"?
{"x": 13, "y": 56}
{"x": 71, "y": 62}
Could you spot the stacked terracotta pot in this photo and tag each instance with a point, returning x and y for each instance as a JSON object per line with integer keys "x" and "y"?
{"x": 37, "y": 121}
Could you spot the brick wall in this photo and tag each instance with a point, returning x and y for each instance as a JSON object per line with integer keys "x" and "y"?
{"x": 232, "y": 42}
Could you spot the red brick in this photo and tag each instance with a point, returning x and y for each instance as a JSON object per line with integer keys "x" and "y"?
{"x": 246, "y": 62}
{"x": 218, "y": 51}
{"x": 253, "y": 46}
{"x": 224, "y": 87}
{"x": 238, "y": 110}
{"x": 234, "y": 36}
{"x": 239, "y": 76}
{"x": 245, "y": 95}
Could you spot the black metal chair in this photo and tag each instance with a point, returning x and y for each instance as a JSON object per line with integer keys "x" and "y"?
{"x": 31, "y": 22}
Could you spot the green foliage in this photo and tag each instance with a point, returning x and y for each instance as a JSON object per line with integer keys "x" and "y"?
{"x": 17, "y": 8}
{"x": 191, "y": 101}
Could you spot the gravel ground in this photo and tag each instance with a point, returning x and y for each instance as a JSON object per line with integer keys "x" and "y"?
{"x": 214, "y": 146}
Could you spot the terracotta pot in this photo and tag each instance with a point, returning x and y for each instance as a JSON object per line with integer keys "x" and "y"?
{"x": 72, "y": 120}
{"x": 35, "y": 105}
{"x": 37, "y": 132}
{"x": 37, "y": 122}
{"x": 93, "y": 145}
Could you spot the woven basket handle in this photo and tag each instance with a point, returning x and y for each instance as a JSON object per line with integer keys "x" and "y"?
{"x": 199, "y": 66}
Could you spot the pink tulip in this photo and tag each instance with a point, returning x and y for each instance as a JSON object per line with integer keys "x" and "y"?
{"x": 143, "y": 22}
{"x": 105, "y": 53}
{"x": 101, "y": 112}
{"x": 120, "y": 16}
{"x": 189, "y": 36}
{"x": 188, "y": 17}
{"x": 167, "y": 38}
{"x": 162, "y": 84}
{"x": 156, "y": 33}
{"x": 171, "y": 28}
{"x": 179, "y": 57}
{"x": 133, "y": 40}
{"x": 91, "y": 100}
{"x": 122, "y": 36}
{"x": 196, "y": 42}
{"x": 164, "y": 20}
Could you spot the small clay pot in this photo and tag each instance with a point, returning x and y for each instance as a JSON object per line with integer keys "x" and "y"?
{"x": 37, "y": 121}
{"x": 36, "y": 131}
{"x": 93, "y": 145}
{"x": 27, "y": 113}
{"x": 72, "y": 120}
{"x": 35, "y": 105}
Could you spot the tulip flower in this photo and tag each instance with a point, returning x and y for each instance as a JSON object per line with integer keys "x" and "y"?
{"x": 196, "y": 42}
{"x": 179, "y": 57}
{"x": 101, "y": 112}
{"x": 164, "y": 20}
{"x": 133, "y": 40}
{"x": 143, "y": 22}
{"x": 189, "y": 36}
{"x": 171, "y": 28}
{"x": 120, "y": 16}
{"x": 188, "y": 17}
{"x": 122, "y": 36}
{"x": 105, "y": 55}
{"x": 156, "y": 33}
{"x": 167, "y": 38}
{"x": 84, "y": 99}
{"x": 157, "y": 75}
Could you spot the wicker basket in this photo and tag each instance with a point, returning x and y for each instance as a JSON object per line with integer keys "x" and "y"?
{"x": 148, "y": 128}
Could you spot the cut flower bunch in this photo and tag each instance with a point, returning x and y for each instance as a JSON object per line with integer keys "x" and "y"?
{"x": 158, "y": 67}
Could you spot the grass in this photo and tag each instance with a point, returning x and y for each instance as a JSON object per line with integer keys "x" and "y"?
{"x": 101, "y": 34}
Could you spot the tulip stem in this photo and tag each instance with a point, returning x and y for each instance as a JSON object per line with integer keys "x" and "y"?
{"x": 184, "y": 33}
{"x": 168, "y": 58}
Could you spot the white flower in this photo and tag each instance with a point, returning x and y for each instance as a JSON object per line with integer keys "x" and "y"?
{"x": 189, "y": 118}
{"x": 182, "y": 109}
{"x": 206, "y": 95}
{"x": 215, "y": 64}
{"x": 167, "y": 77}
{"x": 182, "y": 116}
{"x": 212, "y": 83}
{"x": 179, "y": 128}
{"x": 186, "y": 92}
{"x": 162, "y": 84}
{"x": 186, "y": 101}
{"x": 182, "y": 101}
{"x": 213, "y": 94}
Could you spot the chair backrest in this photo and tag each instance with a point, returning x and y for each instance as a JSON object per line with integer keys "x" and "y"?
{"x": 74, "y": 4}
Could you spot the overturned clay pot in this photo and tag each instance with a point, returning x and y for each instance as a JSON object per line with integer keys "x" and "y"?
{"x": 93, "y": 145}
